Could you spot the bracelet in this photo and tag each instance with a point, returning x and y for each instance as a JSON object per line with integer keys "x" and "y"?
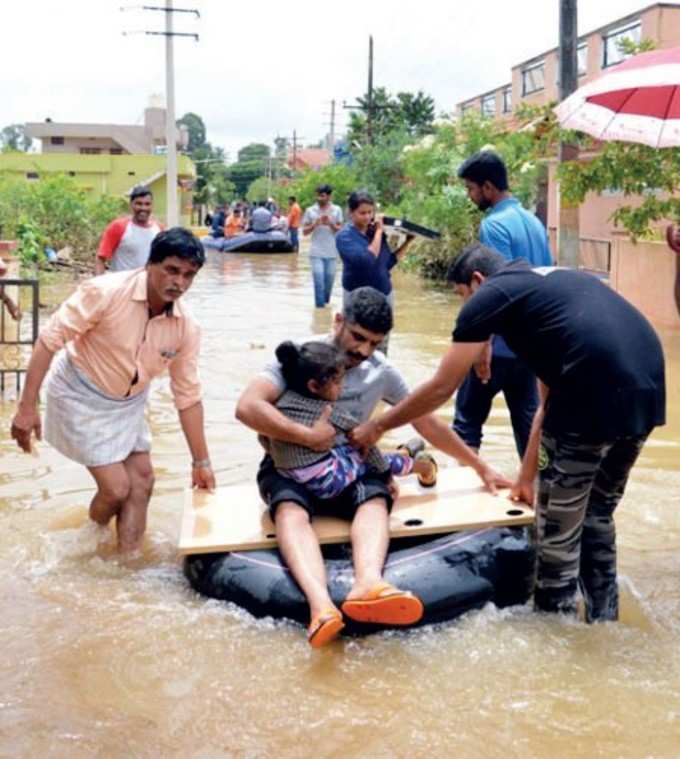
{"x": 201, "y": 464}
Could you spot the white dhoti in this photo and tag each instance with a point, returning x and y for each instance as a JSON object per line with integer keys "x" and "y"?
{"x": 89, "y": 426}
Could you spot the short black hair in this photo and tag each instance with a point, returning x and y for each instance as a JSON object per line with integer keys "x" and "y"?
{"x": 179, "y": 242}
{"x": 485, "y": 166}
{"x": 293, "y": 198}
{"x": 140, "y": 191}
{"x": 325, "y": 188}
{"x": 472, "y": 258}
{"x": 358, "y": 197}
{"x": 370, "y": 309}
{"x": 314, "y": 360}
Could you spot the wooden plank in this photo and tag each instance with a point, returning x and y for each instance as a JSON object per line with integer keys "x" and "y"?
{"x": 234, "y": 517}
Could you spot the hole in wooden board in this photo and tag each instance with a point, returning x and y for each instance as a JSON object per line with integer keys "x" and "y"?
{"x": 413, "y": 522}
{"x": 270, "y": 535}
{"x": 514, "y": 512}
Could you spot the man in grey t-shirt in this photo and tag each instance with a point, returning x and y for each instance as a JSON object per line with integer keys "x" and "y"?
{"x": 322, "y": 221}
{"x": 369, "y": 379}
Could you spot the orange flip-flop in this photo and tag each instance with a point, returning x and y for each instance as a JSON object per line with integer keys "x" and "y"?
{"x": 324, "y": 628}
{"x": 385, "y": 605}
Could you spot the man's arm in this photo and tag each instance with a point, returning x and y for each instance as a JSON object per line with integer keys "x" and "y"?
{"x": 27, "y": 419}
{"x": 523, "y": 489}
{"x": 191, "y": 420}
{"x": 441, "y": 436}
{"x": 256, "y": 409}
{"x": 109, "y": 243}
{"x": 401, "y": 250}
{"x": 426, "y": 398}
{"x": 308, "y": 224}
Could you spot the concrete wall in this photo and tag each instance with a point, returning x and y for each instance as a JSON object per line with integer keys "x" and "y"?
{"x": 645, "y": 275}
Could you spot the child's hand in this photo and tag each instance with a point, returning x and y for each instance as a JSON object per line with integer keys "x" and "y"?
{"x": 393, "y": 488}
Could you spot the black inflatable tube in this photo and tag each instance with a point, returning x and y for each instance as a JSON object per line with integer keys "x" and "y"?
{"x": 451, "y": 575}
{"x": 251, "y": 242}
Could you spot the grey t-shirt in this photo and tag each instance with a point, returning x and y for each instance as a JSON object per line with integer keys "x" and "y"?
{"x": 323, "y": 237}
{"x": 261, "y": 220}
{"x": 363, "y": 387}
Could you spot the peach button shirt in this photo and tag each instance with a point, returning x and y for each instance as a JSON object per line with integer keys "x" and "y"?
{"x": 109, "y": 336}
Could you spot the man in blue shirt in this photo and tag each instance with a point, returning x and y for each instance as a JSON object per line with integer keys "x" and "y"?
{"x": 515, "y": 233}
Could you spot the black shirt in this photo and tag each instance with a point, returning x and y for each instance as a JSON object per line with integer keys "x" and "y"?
{"x": 599, "y": 356}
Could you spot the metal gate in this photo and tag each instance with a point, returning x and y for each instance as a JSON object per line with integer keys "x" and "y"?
{"x": 16, "y": 337}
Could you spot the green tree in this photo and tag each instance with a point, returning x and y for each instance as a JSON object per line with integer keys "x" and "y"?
{"x": 15, "y": 137}
{"x": 253, "y": 162}
{"x": 406, "y": 112}
{"x": 379, "y": 167}
{"x": 259, "y": 189}
{"x": 343, "y": 179}
{"x": 255, "y": 151}
{"x": 415, "y": 112}
{"x": 197, "y": 131}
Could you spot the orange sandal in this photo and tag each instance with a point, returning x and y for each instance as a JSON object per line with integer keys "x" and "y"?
{"x": 324, "y": 628}
{"x": 385, "y": 605}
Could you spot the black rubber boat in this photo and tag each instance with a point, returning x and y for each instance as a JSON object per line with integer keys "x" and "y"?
{"x": 251, "y": 242}
{"x": 451, "y": 575}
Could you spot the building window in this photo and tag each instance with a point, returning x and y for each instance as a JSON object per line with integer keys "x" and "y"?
{"x": 533, "y": 78}
{"x": 612, "y": 53}
{"x": 90, "y": 151}
{"x": 582, "y": 59}
{"x": 507, "y": 100}
{"x": 489, "y": 106}
{"x": 116, "y": 151}
{"x": 32, "y": 175}
{"x": 56, "y": 140}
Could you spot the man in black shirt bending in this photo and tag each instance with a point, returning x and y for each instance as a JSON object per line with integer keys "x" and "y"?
{"x": 600, "y": 368}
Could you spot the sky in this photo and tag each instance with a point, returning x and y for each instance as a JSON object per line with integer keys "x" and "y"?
{"x": 265, "y": 69}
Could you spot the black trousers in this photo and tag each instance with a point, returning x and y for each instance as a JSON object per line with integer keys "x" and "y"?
{"x": 510, "y": 376}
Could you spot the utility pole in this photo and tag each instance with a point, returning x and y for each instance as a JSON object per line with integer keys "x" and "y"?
{"x": 568, "y": 233}
{"x": 370, "y": 107}
{"x": 295, "y": 144}
{"x": 369, "y": 115}
{"x": 332, "y": 135}
{"x": 172, "y": 216}
{"x": 295, "y": 141}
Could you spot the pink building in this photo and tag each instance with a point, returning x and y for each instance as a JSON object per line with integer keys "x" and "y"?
{"x": 535, "y": 82}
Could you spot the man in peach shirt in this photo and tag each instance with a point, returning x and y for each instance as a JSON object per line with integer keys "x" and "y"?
{"x": 119, "y": 332}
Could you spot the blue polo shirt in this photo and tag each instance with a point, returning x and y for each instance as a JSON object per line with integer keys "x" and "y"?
{"x": 360, "y": 267}
{"x": 515, "y": 233}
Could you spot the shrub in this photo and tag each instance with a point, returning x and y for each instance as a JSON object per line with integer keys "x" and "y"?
{"x": 56, "y": 212}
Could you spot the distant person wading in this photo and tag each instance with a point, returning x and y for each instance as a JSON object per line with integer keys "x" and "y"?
{"x": 322, "y": 221}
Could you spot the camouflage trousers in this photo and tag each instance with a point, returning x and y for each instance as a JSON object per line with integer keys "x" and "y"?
{"x": 580, "y": 486}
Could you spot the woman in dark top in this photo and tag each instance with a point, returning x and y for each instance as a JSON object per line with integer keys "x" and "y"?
{"x": 367, "y": 258}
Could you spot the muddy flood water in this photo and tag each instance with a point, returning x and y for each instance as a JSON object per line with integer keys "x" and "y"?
{"x": 106, "y": 659}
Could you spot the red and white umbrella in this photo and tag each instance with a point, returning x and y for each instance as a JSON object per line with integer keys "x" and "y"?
{"x": 636, "y": 101}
